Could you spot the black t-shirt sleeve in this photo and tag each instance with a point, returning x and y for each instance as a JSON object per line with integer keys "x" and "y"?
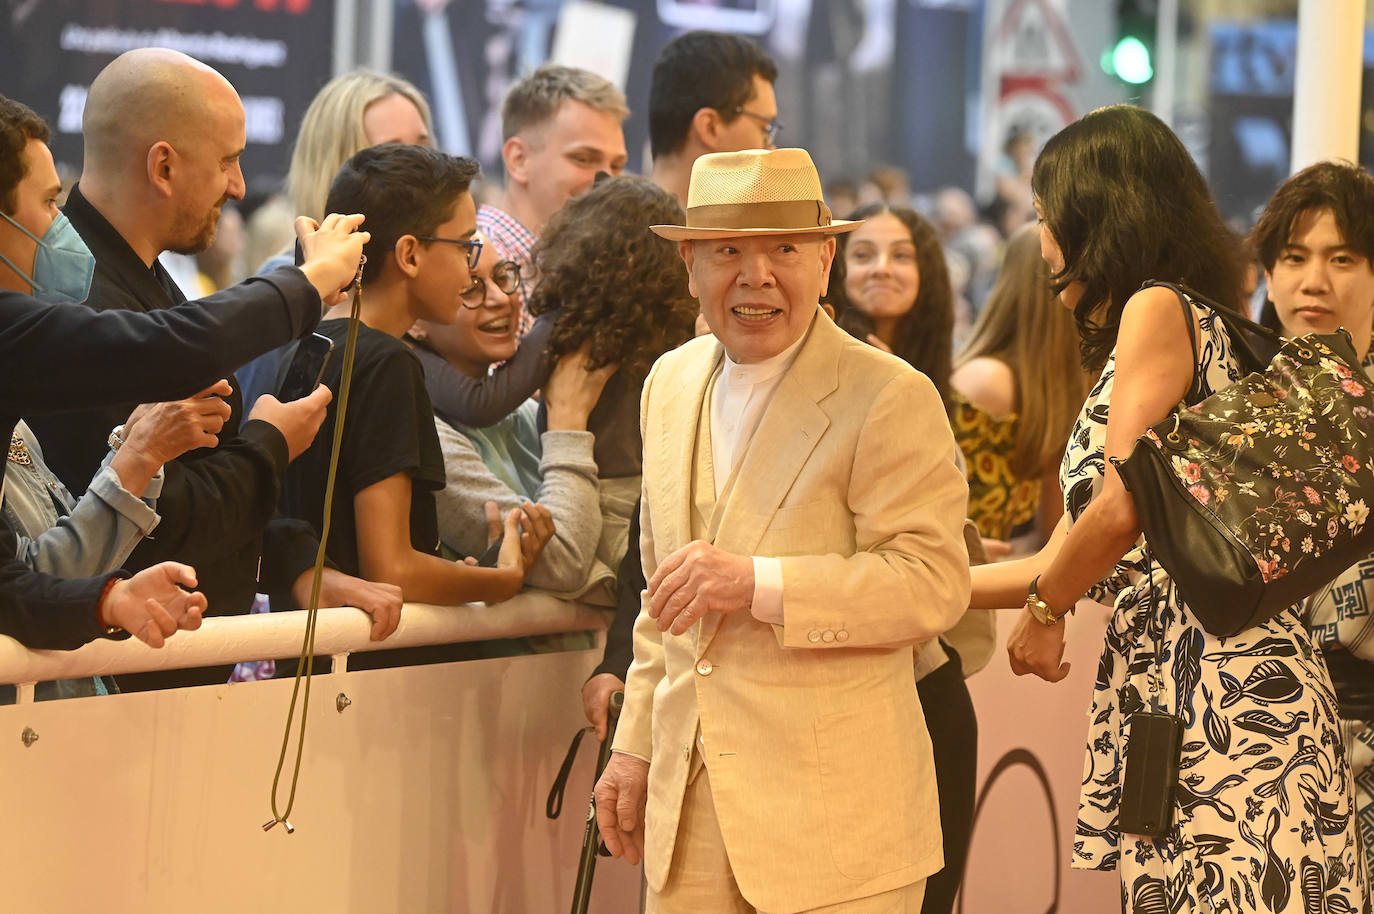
{"x": 389, "y": 427}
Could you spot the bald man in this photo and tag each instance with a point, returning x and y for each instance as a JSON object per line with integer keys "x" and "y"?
{"x": 163, "y": 136}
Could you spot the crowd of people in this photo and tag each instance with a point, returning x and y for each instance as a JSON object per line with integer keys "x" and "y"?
{"x": 772, "y": 443}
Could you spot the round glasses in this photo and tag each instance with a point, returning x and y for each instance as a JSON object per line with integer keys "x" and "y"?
{"x": 505, "y": 276}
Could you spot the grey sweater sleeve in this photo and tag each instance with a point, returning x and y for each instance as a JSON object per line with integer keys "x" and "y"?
{"x": 568, "y": 489}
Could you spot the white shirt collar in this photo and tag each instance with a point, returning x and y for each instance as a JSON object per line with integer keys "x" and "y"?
{"x": 736, "y": 374}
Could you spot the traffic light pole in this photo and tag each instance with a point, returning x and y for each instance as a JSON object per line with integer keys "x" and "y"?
{"x": 1326, "y": 92}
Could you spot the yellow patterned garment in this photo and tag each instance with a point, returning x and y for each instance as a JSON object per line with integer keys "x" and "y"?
{"x": 999, "y": 503}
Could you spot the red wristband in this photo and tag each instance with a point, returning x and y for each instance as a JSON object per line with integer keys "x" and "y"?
{"x": 109, "y": 586}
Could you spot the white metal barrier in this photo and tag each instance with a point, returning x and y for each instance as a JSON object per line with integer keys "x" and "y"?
{"x": 423, "y": 792}
{"x": 273, "y": 636}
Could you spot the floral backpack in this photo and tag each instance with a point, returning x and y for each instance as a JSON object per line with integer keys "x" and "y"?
{"x": 1257, "y": 496}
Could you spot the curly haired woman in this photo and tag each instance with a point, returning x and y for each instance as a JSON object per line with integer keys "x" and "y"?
{"x": 605, "y": 282}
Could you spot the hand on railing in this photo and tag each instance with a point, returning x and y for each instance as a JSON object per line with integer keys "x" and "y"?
{"x": 380, "y": 601}
{"x": 152, "y": 605}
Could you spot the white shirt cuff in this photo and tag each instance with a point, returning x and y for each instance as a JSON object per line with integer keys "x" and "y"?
{"x": 767, "y": 605}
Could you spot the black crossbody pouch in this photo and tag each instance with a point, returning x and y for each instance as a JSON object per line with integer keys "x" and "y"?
{"x": 1152, "y": 757}
{"x": 1147, "y": 788}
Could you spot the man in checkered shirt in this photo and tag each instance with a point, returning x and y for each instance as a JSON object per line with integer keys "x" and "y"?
{"x": 561, "y": 126}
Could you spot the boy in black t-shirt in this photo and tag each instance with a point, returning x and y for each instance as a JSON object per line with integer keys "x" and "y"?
{"x": 383, "y": 527}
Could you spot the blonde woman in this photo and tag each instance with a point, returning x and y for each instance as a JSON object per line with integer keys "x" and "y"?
{"x": 1015, "y": 391}
{"x": 351, "y": 113}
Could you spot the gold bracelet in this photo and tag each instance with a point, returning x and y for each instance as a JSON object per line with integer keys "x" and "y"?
{"x": 1039, "y": 608}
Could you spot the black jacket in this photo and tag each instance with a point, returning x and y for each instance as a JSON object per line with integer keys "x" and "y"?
{"x": 620, "y": 639}
{"x": 218, "y": 505}
{"x": 56, "y": 357}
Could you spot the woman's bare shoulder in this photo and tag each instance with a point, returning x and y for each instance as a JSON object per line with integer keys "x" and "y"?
{"x": 988, "y": 383}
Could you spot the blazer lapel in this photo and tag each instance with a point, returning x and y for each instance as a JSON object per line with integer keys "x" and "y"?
{"x": 686, "y": 398}
{"x": 791, "y": 427}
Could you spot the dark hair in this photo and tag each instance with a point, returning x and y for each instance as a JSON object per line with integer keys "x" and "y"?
{"x": 18, "y": 125}
{"x": 701, "y": 70}
{"x": 1343, "y": 188}
{"x": 1126, "y": 204}
{"x": 924, "y": 336}
{"x": 620, "y": 286}
{"x": 402, "y": 190}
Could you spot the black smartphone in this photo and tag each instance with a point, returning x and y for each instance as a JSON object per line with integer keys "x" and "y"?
{"x": 1147, "y": 788}
{"x": 488, "y": 558}
{"x": 306, "y": 368}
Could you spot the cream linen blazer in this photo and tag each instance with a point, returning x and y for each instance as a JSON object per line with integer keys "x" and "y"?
{"x": 818, "y": 755}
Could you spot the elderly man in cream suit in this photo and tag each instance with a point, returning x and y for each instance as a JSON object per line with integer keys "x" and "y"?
{"x": 801, "y": 527}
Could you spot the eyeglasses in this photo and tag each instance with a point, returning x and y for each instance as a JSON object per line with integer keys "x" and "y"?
{"x": 474, "y": 247}
{"x": 505, "y": 275}
{"x": 771, "y": 128}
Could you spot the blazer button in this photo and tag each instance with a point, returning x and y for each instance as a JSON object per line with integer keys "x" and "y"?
{"x": 841, "y": 636}
{"x": 827, "y": 636}
{"x": 686, "y": 753}
{"x": 704, "y": 668}
{"x": 813, "y": 636}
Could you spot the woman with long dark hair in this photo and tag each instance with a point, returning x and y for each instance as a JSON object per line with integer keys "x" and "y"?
{"x": 890, "y": 281}
{"x": 1260, "y": 807}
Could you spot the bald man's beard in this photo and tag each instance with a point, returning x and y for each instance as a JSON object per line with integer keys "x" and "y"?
{"x": 192, "y": 234}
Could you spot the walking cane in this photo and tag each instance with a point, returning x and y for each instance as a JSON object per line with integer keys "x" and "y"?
{"x": 591, "y": 838}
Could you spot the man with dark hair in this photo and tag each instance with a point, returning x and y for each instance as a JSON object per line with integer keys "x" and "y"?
{"x": 1341, "y": 190}
{"x": 419, "y": 260}
{"x": 18, "y": 125}
{"x": 711, "y": 92}
{"x": 163, "y": 133}
{"x": 1316, "y": 242}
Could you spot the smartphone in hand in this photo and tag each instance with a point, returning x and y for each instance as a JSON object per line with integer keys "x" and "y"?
{"x": 306, "y": 368}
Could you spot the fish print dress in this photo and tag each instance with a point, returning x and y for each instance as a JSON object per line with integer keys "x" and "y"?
{"x": 1262, "y": 806}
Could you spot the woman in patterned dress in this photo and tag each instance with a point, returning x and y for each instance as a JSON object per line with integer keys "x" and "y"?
{"x": 1261, "y": 809}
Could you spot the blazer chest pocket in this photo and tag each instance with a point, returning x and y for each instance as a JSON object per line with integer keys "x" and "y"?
{"x": 809, "y": 528}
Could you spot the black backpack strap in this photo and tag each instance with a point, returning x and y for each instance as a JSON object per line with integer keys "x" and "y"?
{"x": 1188, "y": 316}
{"x": 1252, "y": 344}
{"x": 1190, "y": 320}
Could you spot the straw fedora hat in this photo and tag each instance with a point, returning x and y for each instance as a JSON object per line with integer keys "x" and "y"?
{"x": 755, "y": 192}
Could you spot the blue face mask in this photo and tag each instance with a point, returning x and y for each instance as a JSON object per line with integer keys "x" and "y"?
{"x": 62, "y": 266}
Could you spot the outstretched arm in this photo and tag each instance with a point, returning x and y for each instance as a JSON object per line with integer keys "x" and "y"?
{"x": 484, "y": 401}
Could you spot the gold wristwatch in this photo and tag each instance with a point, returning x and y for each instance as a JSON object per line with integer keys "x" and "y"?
{"x": 1039, "y": 608}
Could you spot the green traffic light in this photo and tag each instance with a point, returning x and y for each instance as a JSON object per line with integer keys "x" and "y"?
{"x": 1130, "y": 61}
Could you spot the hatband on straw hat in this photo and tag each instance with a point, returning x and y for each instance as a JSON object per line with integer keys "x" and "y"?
{"x": 755, "y": 192}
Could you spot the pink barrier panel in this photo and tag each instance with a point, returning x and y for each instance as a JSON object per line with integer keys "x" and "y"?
{"x": 1030, "y": 763}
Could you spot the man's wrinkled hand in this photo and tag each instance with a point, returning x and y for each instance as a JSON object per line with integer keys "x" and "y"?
{"x": 596, "y": 699}
{"x": 162, "y": 432}
{"x": 620, "y": 796}
{"x": 1035, "y": 647}
{"x": 698, "y": 579}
